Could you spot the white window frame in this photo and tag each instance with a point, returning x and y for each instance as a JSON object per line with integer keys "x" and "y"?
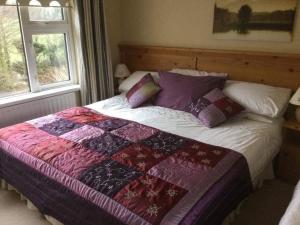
{"x": 30, "y": 28}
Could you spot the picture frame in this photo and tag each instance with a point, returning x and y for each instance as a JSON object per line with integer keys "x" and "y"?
{"x": 260, "y": 20}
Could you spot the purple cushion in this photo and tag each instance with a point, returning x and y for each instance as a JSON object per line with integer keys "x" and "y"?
{"x": 178, "y": 91}
{"x": 142, "y": 91}
{"x": 214, "y": 108}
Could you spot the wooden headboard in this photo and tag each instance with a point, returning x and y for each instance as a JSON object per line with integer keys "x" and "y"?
{"x": 275, "y": 69}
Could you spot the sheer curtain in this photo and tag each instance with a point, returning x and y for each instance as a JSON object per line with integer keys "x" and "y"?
{"x": 95, "y": 68}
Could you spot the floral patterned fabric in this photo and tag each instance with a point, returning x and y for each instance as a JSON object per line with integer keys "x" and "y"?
{"x": 109, "y": 177}
{"x": 137, "y": 174}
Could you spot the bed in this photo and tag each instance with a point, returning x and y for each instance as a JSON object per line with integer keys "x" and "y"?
{"x": 63, "y": 164}
{"x": 55, "y": 162}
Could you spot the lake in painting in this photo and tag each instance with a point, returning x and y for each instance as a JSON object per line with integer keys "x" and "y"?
{"x": 265, "y": 20}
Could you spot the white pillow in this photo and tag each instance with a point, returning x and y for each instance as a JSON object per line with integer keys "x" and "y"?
{"x": 129, "y": 82}
{"x": 197, "y": 73}
{"x": 259, "y": 98}
{"x": 256, "y": 117}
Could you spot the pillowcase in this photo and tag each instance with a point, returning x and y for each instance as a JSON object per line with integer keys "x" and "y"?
{"x": 129, "y": 82}
{"x": 178, "y": 91}
{"x": 214, "y": 108}
{"x": 259, "y": 118}
{"x": 142, "y": 91}
{"x": 259, "y": 98}
{"x": 197, "y": 73}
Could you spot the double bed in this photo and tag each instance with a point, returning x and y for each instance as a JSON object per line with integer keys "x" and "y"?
{"x": 54, "y": 156}
{"x": 77, "y": 166}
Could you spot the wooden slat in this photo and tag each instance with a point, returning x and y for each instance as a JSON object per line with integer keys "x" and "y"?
{"x": 156, "y": 59}
{"x": 275, "y": 69}
{"x": 281, "y": 70}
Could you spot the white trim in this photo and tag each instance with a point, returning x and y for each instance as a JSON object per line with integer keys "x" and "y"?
{"x": 43, "y": 3}
{"x": 31, "y": 28}
{"x": 23, "y": 98}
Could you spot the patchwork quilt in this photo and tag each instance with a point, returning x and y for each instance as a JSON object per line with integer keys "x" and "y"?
{"x": 82, "y": 167}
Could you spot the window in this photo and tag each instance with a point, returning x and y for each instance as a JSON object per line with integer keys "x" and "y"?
{"x": 13, "y": 71}
{"x": 35, "y": 48}
{"x": 51, "y": 58}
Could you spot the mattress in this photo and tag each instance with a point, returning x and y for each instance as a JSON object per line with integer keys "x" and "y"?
{"x": 259, "y": 142}
{"x": 292, "y": 214}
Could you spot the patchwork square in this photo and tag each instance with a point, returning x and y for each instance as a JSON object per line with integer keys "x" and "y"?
{"x": 164, "y": 142}
{"x": 109, "y": 177}
{"x": 197, "y": 106}
{"x": 50, "y": 148}
{"x": 150, "y": 197}
{"x": 141, "y": 157}
{"x": 211, "y": 116}
{"x": 179, "y": 172}
{"x": 135, "y": 132}
{"x": 18, "y": 129}
{"x": 110, "y": 124}
{"x": 77, "y": 160}
{"x": 228, "y": 107}
{"x": 108, "y": 144}
{"x": 60, "y": 127}
{"x": 202, "y": 154}
{"x": 83, "y": 133}
{"x": 81, "y": 115}
{"x": 25, "y": 137}
{"x": 39, "y": 122}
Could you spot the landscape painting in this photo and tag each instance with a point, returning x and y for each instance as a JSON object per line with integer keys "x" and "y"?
{"x": 265, "y": 20}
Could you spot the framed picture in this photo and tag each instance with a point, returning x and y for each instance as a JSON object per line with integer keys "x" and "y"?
{"x": 264, "y": 20}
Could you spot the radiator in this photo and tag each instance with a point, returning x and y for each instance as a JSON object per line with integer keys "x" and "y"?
{"x": 26, "y": 111}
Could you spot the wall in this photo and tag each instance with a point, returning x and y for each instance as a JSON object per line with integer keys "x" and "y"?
{"x": 113, "y": 21}
{"x": 185, "y": 23}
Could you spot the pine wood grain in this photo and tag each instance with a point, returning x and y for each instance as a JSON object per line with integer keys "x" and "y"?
{"x": 275, "y": 69}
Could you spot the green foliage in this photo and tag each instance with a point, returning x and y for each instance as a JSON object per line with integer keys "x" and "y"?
{"x": 244, "y": 16}
{"x": 50, "y": 52}
{"x": 50, "y": 57}
{"x": 12, "y": 66}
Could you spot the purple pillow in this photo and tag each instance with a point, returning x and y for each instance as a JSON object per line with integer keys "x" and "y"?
{"x": 214, "y": 108}
{"x": 178, "y": 91}
{"x": 142, "y": 91}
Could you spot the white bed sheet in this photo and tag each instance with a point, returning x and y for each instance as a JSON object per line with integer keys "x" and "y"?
{"x": 259, "y": 142}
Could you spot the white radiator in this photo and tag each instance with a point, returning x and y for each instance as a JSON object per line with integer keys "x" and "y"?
{"x": 26, "y": 111}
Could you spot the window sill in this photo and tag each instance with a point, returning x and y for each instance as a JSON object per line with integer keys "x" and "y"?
{"x": 15, "y": 100}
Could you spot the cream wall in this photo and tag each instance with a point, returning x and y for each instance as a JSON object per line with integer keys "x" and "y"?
{"x": 185, "y": 23}
{"x": 113, "y": 22}
{"x": 179, "y": 23}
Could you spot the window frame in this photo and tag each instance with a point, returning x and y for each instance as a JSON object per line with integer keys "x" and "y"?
{"x": 30, "y": 28}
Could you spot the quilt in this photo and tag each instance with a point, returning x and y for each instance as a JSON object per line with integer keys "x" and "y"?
{"x": 83, "y": 167}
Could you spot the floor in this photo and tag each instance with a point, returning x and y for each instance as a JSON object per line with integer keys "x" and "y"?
{"x": 264, "y": 207}
{"x": 267, "y": 205}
